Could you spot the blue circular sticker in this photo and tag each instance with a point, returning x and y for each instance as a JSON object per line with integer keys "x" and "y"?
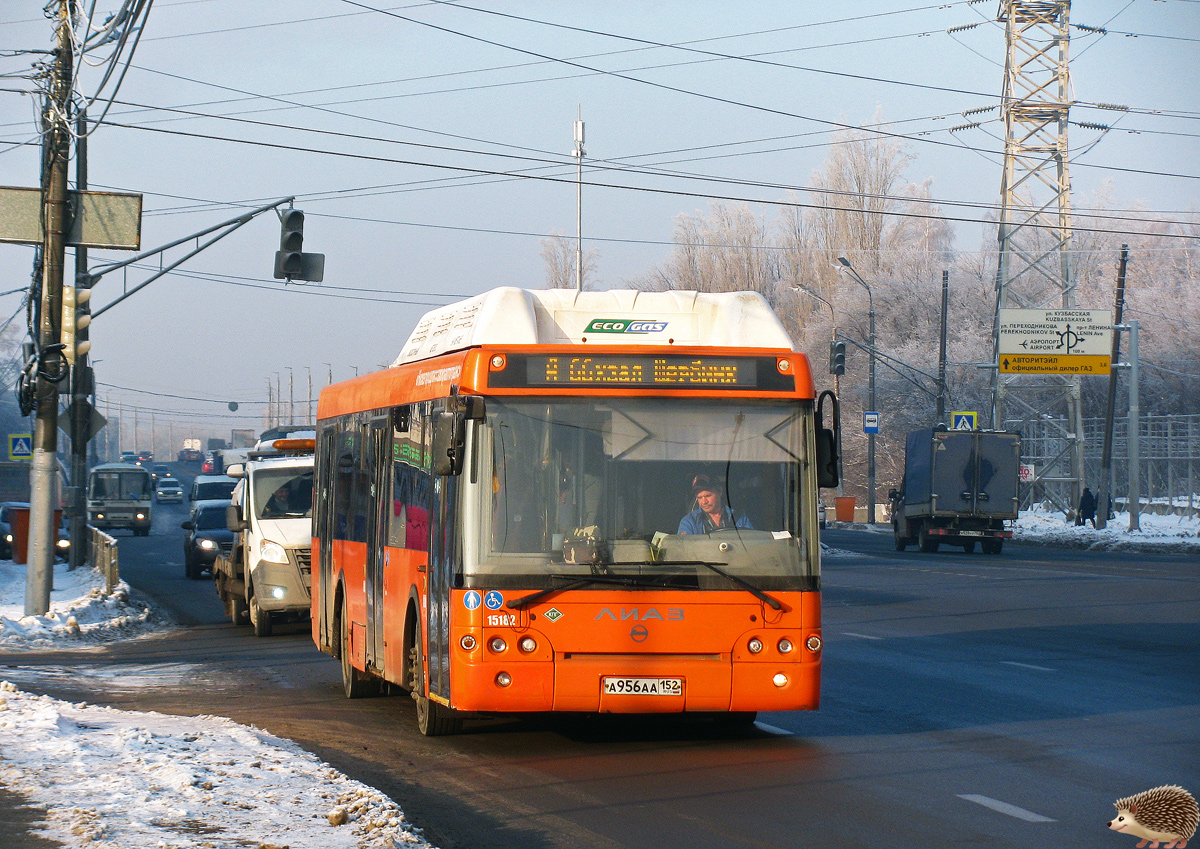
{"x": 493, "y": 600}
{"x": 472, "y": 600}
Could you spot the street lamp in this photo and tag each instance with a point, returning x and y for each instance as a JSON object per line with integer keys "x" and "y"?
{"x": 837, "y": 380}
{"x": 870, "y": 389}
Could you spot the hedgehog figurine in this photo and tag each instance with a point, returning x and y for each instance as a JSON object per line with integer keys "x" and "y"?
{"x": 1165, "y": 814}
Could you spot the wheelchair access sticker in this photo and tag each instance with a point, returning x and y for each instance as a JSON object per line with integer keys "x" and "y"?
{"x": 494, "y": 600}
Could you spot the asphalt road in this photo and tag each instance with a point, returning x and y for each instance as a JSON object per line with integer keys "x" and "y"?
{"x": 989, "y": 701}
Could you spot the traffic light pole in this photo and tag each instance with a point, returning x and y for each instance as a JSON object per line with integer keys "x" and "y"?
{"x": 51, "y": 363}
{"x": 81, "y": 381}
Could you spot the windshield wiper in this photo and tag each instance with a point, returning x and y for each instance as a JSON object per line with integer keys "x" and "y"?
{"x": 623, "y": 580}
{"x": 746, "y": 585}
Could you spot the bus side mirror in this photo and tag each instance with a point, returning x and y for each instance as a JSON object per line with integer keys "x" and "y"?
{"x": 233, "y": 518}
{"x": 827, "y": 443}
{"x": 449, "y": 443}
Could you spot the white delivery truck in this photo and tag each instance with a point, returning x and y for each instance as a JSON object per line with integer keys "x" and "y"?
{"x": 268, "y": 572}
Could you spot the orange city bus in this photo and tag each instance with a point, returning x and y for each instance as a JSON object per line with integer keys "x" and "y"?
{"x": 501, "y": 516}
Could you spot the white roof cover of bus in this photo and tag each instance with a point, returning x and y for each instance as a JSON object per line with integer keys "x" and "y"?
{"x": 511, "y": 316}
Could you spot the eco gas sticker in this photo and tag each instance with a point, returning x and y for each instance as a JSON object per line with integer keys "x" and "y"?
{"x": 625, "y": 325}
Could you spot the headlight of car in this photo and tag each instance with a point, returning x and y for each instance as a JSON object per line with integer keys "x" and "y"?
{"x": 272, "y": 552}
{"x": 64, "y": 543}
{"x": 207, "y": 544}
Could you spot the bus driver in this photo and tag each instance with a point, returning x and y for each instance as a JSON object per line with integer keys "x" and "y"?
{"x": 710, "y": 514}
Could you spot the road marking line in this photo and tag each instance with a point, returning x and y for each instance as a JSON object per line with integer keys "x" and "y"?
{"x": 778, "y": 732}
{"x": 860, "y": 636}
{"x": 1004, "y": 808}
{"x": 1028, "y": 666}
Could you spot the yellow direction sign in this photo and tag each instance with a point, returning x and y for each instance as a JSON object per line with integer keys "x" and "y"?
{"x": 1051, "y": 364}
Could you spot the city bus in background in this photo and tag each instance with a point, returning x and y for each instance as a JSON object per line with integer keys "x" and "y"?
{"x": 119, "y": 497}
{"x": 497, "y": 516}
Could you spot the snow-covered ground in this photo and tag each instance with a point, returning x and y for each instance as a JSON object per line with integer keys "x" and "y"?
{"x": 122, "y": 778}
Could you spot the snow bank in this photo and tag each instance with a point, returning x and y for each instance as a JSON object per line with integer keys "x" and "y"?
{"x": 80, "y": 611}
{"x": 110, "y": 778}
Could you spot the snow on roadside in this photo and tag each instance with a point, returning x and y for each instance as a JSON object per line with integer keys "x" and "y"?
{"x": 80, "y": 610}
{"x": 110, "y": 778}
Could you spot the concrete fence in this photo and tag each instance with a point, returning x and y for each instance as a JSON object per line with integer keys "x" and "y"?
{"x": 102, "y": 555}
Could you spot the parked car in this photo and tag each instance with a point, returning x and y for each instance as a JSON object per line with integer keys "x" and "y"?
{"x": 168, "y": 489}
{"x": 159, "y": 470}
{"x": 206, "y": 536}
{"x": 206, "y": 487}
{"x": 62, "y": 547}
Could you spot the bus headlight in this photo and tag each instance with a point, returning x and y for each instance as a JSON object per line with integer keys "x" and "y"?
{"x": 527, "y": 644}
{"x": 503, "y": 679}
{"x": 497, "y": 644}
{"x": 64, "y": 543}
{"x": 8, "y": 537}
{"x": 780, "y": 680}
{"x": 755, "y": 645}
{"x": 272, "y": 552}
{"x": 785, "y": 646}
{"x": 140, "y": 516}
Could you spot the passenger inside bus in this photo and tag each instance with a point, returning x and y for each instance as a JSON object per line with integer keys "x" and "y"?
{"x": 711, "y": 513}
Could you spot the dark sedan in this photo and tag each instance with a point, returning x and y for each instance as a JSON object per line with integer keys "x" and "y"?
{"x": 206, "y": 537}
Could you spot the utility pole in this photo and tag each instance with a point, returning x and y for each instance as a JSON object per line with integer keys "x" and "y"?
{"x": 578, "y": 154}
{"x": 51, "y": 366}
{"x": 1104, "y": 494}
{"x": 1135, "y": 468}
{"x": 940, "y": 415}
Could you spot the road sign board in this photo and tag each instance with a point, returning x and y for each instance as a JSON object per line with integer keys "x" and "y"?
{"x": 1077, "y": 364}
{"x": 964, "y": 420}
{"x": 1028, "y": 473}
{"x": 1055, "y": 341}
{"x": 20, "y": 446}
{"x": 98, "y": 219}
{"x": 870, "y": 422}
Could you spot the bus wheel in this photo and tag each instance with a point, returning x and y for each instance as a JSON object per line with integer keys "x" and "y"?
{"x": 259, "y": 618}
{"x": 357, "y": 684}
{"x": 433, "y": 720}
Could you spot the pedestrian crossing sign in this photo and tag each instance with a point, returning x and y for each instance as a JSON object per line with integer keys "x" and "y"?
{"x": 20, "y": 446}
{"x": 963, "y": 420}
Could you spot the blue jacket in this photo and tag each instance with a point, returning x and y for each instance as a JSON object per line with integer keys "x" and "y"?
{"x": 698, "y": 522}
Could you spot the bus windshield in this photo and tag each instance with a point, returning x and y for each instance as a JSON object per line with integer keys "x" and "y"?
{"x": 657, "y": 490}
{"x": 133, "y": 485}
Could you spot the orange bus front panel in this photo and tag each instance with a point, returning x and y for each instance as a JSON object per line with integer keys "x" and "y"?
{"x": 598, "y": 651}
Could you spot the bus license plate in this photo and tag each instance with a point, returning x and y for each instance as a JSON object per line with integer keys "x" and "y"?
{"x": 643, "y": 686}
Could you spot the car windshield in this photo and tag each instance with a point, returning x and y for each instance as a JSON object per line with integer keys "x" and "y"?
{"x": 214, "y": 489}
{"x": 283, "y": 493}
{"x": 210, "y": 518}
{"x": 168, "y": 483}
{"x": 578, "y": 488}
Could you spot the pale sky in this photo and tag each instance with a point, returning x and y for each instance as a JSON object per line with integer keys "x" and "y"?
{"x": 411, "y": 135}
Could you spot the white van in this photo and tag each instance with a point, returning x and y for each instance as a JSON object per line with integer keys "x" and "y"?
{"x": 271, "y": 561}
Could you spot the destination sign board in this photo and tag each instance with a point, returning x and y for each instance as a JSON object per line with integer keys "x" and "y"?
{"x": 640, "y": 371}
{"x": 1064, "y": 341}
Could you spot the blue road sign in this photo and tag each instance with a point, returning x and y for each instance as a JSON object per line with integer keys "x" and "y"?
{"x": 20, "y": 446}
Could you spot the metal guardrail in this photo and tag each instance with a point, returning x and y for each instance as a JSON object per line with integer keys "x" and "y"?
{"x": 102, "y": 555}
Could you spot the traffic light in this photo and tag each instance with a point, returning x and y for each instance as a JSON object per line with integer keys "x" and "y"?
{"x": 837, "y": 357}
{"x": 291, "y": 263}
{"x": 76, "y": 316}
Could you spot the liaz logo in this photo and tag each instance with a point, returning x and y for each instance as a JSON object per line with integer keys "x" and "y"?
{"x": 625, "y": 325}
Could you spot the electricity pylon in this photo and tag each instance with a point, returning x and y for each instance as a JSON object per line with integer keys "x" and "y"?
{"x": 1034, "y": 270}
